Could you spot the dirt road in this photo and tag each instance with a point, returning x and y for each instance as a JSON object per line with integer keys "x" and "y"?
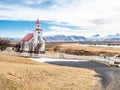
{"x": 110, "y": 75}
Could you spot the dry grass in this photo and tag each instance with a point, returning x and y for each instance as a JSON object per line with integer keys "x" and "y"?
{"x": 87, "y": 50}
{"x": 17, "y": 73}
{"x": 15, "y": 59}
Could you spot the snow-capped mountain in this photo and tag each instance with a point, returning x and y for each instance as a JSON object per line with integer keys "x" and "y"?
{"x": 63, "y": 38}
{"x": 112, "y": 37}
{"x": 73, "y": 38}
{"x": 95, "y": 37}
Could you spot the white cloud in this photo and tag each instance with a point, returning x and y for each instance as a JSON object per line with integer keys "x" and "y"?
{"x": 56, "y": 28}
{"x": 70, "y": 32}
{"x": 100, "y": 15}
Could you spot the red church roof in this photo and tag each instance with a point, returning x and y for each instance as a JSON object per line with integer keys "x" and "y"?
{"x": 27, "y": 37}
{"x": 38, "y": 29}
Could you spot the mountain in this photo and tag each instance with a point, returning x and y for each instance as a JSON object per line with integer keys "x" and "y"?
{"x": 14, "y": 39}
{"x": 112, "y": 37}
{"x": 95, "y": 37}
{"x": 73, "y": 38}
{"x": 10, "y": 38}
{"x": 63, "y": 38}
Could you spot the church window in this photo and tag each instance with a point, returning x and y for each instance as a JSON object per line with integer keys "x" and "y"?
{"x": 38, "y": 37}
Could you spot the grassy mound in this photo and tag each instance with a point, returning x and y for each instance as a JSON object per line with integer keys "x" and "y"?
{"x": 18, "y": 73}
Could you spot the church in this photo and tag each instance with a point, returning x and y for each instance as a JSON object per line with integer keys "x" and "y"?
{"x": 34, "y": 41}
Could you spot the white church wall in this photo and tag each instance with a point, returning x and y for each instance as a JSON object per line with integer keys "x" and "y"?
{"x": 26, "y": 46}
{"x": 43, "y": 45}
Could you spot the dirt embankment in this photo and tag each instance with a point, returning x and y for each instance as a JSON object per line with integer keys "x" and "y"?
{"x": 86, "y": 50}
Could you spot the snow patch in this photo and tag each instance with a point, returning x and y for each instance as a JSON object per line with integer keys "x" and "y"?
{"x": 52, "y": 60}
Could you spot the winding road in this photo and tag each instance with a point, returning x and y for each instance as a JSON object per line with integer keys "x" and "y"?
{"x": 110, "y": 75}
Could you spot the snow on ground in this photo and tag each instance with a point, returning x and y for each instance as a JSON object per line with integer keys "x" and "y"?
{"x": 112, "y": 46}
{"x": 52, "y": 60}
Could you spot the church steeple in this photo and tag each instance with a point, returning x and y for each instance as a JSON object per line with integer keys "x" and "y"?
{"x": 38, "y": 25}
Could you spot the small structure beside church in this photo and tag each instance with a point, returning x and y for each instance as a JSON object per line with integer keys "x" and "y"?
{"x": 33, "y": 42}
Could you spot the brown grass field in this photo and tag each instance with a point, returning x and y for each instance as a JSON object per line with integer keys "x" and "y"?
{"x": 19, "y": 73}
{"x": 74, "y": 48}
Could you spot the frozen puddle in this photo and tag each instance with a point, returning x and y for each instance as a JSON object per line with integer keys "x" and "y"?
{"x": 52, "y": 60}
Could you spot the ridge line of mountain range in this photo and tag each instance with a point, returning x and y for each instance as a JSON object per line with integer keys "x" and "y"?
{"x": 74, "y": 38}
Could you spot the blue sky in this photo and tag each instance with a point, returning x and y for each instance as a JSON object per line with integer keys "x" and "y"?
{"x": 68, "y": 17}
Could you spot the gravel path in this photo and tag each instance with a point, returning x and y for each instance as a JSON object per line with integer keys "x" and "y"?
{"x": 110, "y": 75}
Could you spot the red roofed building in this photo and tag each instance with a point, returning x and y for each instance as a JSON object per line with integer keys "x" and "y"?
{"x": 33, "y": 39}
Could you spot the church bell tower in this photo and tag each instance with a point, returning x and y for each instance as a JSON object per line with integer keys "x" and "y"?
{"x": 37, "y": 32}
